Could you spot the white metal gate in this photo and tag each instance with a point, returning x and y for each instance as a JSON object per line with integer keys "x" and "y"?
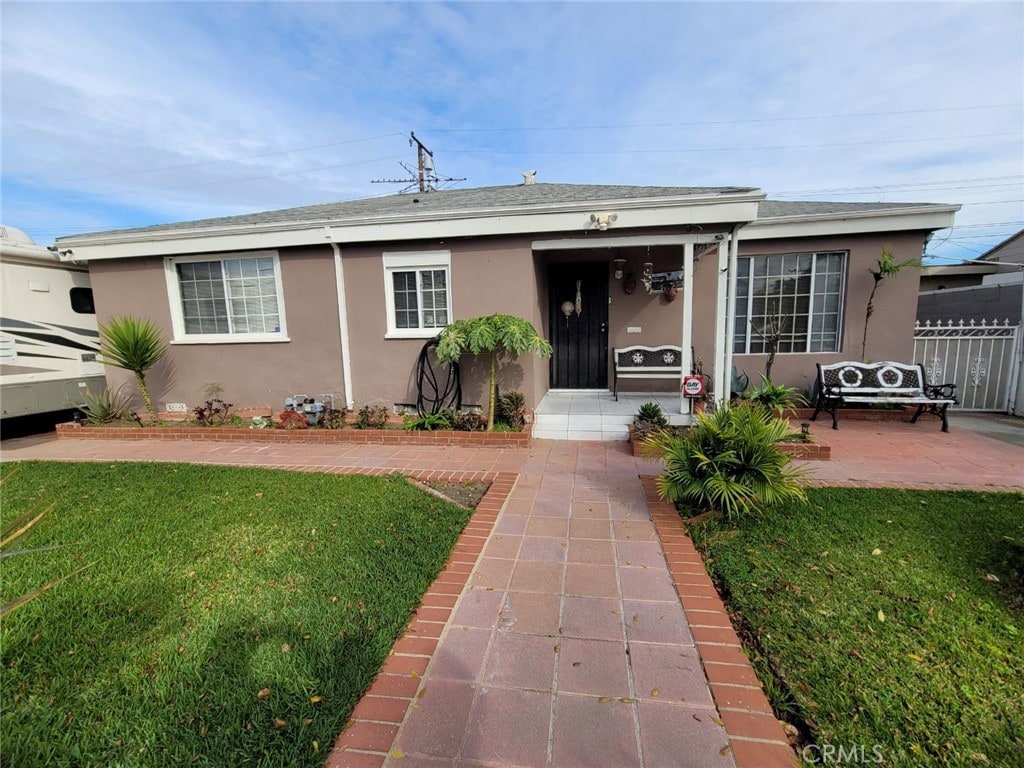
{"x": 979, "y": 357}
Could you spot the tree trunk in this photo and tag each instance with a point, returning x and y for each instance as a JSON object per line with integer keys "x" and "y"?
{"x": 145, "y": 397}
{"x": 492, "y": 392}
{"x": 867, "y": 318}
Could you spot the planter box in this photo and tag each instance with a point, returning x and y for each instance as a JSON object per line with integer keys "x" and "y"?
{"x": 850, "y": 414}
{"x": 811, "y": 451}
{"x": 317, "y": 436}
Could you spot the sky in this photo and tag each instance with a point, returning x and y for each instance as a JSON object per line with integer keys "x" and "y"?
{"x": 128, "y": 114}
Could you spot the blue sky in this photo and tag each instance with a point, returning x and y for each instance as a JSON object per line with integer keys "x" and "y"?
{"x": 127, "y": 114}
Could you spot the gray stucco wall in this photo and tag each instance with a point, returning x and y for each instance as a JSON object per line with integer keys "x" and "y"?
{"x": 988, "y": 302}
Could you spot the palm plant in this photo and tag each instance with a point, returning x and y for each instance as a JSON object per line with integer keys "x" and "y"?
{"x": 496, "y": 335}
{"x": 728, "y": 461}
{"x": 106, "y": 406}
{"x": 136, "y": 345}
{"x": 887, "y": 266}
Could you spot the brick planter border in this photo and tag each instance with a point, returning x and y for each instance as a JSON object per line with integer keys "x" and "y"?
{"x": 756, "y": 736}
{"x": 316, "y": 436}
{"x": 370, "y": 732}
{"x": 804, "y": 451}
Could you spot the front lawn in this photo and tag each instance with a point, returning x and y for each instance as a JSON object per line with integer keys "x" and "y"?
{"x": 233, "y": 616}
{"x": 881, "y": 616}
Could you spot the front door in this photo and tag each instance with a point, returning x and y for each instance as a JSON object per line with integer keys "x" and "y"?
{"x": 578, "y": 300}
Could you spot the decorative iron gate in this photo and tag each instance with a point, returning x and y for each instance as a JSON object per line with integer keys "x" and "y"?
{"x": 980, "y": 357}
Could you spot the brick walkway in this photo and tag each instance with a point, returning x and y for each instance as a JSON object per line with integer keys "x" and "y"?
{"x": 558, "y": 636}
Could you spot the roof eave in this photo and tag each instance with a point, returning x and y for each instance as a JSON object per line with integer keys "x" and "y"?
{"x": 459, "y": 223}
{"x": 928, "y": 217}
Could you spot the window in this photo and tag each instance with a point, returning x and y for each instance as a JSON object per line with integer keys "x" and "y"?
{"x": 235, "y": 299}
{"x": 417, "y": 292}
{"x": 82, "y": 302}
{"x": 795, "y": 296}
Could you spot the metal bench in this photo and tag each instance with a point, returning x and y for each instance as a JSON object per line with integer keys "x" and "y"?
{"x": 893, "y": 383}
{"x": 664, "y": 362}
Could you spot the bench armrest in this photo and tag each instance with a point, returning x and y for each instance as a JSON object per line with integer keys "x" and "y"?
{"x": 940, "y": 391}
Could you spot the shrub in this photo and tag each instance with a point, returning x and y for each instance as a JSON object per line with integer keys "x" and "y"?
{"x": 511, "y": 410}
{"x": 136, "y": 345}
{"x": 728, "y": 461}
{"x": 372, "y": 417}
{"x": 650, "y": 414}
{"x": 291, "y": 420}
{"x": 106, "y": 406}
{"x": 334, "y": 418}
{"x": 428, "y": 422}
{"x": 214, "y": 412}
{"x": 465, "y": 421}
{"x": 776, "y": 397}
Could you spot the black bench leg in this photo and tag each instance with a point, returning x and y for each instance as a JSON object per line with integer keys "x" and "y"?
{"x": 615, "y": 389}
{"x": 920, "y": 410}
{"x": 942, "y": 413}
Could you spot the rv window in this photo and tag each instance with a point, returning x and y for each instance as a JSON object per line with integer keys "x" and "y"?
{"x": 81, "y": 301}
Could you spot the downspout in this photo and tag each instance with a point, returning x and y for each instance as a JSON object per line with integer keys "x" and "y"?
{"x": 346, "y": 359}
{"x": 730, "y": 310}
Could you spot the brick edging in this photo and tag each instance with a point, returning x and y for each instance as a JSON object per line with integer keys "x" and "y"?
{"x": 756, "y": 736}
{"x": 317, "y": 436}
{"x": 370, "y": 732}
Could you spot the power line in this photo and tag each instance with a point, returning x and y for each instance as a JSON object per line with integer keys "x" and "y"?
{"x": 723, "y": 149}
{"x": 874, "y": 187}
{"x": 719, "y": 122}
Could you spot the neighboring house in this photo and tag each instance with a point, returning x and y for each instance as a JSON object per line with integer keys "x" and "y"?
{"x": 341, "y": 297}
{"x": 989, "y": 287}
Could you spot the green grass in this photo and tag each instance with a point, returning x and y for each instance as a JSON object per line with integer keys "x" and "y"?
{"x": 211, "y": 585}
{"x": 940, "y": 680}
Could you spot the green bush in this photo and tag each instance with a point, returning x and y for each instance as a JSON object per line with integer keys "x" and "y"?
{"x": 428, "y": 422}
{"x": 466, "y": 421}
{"x": 727, "y": 462}
{"x": 776, "y": 397}
{"x": 511, "y": 410}
{"x": 372, "y": 417}
{"x": 650, "y": 414}
{"x": 106, "y": 406}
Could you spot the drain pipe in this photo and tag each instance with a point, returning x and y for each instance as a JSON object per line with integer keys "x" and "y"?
{"x": 730, "y": 310}
{"x": 346, "y": 359}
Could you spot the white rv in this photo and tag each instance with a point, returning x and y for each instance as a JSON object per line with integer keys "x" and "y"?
{"x": 49, "y": 342}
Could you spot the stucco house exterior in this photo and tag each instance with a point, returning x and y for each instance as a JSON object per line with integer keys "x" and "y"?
{"x": 340, "y": 298}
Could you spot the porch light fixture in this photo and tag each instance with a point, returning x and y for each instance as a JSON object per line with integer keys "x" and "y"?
{"x": 619, "y": 265}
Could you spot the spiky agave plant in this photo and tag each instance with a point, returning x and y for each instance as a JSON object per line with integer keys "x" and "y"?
{"x": 728, "y": 461}
{"x": 134, "y": 344}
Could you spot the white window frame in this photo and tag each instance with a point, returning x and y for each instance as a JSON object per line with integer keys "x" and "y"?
{"x": 177, "y": 315}
{"x": 841, "y": 311}
{"x": 414, "y": 262}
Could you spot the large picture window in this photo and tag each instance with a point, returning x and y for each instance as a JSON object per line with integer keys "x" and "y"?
{"x": 796, "y": 297}
{"x": 418, "y": 293}
{"x": 227, "y": 299}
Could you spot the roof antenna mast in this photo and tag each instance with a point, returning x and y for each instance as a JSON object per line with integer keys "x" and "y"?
{"x": 424, "y": 176}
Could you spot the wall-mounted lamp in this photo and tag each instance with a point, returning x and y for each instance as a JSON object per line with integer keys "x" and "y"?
{"x": 619, "y": 265}
{"x": 602, "y": 220}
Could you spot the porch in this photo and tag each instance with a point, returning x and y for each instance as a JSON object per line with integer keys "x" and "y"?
{"x": 595, "y": 415}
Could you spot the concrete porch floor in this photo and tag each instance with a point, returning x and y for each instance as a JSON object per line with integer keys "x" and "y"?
{"x": 596, "y": 415}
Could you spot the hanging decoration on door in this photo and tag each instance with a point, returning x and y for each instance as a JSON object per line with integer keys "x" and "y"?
{"x": 579, "y": 298}
{"x": 567, "y": 309}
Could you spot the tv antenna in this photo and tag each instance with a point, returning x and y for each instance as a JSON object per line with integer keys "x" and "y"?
{"x": 424, "y": 176}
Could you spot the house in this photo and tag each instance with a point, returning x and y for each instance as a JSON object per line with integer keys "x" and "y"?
{"x": 988, "y": 287}
{"x": 340, "y": 298}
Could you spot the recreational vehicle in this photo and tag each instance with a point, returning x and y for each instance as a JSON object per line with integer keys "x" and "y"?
{"x": 49, "y": 342}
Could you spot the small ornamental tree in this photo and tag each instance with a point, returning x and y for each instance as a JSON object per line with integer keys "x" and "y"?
{"x": 887, "y": 266}
{"x": 136, "y": 345}
{"x": 497, "y": 335}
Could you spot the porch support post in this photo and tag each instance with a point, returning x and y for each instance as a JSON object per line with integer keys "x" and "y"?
{"x": 687, "y": 342}
{"x": 721, "y": 322}
{"x": 730, "y": 311}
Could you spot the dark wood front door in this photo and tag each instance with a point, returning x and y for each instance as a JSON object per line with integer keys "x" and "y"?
{"x": 580, "y": 341}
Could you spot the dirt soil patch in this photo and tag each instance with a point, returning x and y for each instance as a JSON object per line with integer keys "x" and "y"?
{"x": 467, "y": 494}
